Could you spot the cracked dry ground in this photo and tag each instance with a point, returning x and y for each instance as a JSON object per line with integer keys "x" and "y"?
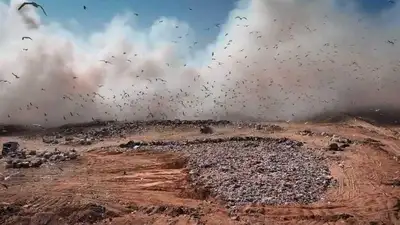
{"x": 108, "y": 185}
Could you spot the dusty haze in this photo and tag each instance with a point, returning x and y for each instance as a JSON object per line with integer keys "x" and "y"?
{"x": 288, "y": 60}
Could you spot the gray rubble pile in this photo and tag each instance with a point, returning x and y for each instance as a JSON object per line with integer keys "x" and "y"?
{"x": 339, "y": 143}
{"x": 68, "y": 140}
{"x": 99, "y": 130}
{"x": 268, "y": 171}
{"x": 132, "y": 144}
{"x": 15, "y": 157}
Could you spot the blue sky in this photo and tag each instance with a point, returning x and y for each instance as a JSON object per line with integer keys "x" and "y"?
{"x": 204, "y": 13}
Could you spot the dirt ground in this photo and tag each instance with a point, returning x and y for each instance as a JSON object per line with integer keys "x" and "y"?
{"x": 109, "y": 186}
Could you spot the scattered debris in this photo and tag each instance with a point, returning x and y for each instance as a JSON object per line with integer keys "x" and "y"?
{"x": 341, "y": 140}
{"x": 133, "y": 144}
{"x": 265, "y": 170}
{"x": 9, "y": 148}
{"x": 259, "y": 126}
{"x": 22, "y": 158}
{"x": 339, "y": 143}
{"x": 206, "y": 130}
{"x": 306, "y": 132}
{"x": 89, "y": 133}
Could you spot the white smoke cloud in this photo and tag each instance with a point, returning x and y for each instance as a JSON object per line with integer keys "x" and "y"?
{"x": 289, "y": 60}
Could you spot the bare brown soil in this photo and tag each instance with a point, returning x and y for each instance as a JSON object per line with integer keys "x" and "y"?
{"x": 110, "y": 186}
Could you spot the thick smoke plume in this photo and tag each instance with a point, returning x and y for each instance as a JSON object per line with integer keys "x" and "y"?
{"x": 289, "y": 60}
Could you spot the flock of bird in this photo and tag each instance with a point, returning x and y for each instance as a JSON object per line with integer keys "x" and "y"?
{"x": 158, "y": 100}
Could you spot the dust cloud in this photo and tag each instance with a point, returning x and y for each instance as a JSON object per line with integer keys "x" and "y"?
{"x": 286, "y": 60}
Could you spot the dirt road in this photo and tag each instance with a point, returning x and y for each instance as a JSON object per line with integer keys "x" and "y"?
{"x": 111, "y": 185}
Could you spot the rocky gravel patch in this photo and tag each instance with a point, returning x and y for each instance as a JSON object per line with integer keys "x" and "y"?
{"x": 242, "y": 170}
{"x": 112, "y": 128}
{"x": 15, "y": 157}
{"x": 89, "y": 133}
{"x": 135, "y": 144}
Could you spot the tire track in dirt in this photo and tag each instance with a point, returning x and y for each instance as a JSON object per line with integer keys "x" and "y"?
{"x": 324, "y": 214}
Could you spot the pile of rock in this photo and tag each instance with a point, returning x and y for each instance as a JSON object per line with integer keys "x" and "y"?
{"x": 339, "y": 143}
{"x": 68, "y": 140}
{"x": 79, "y": 140}
{"x": 132, "y": 144}
{"x": 14, "y": 157}
{"x": 256, "y": 170}
{"x": 99, "y": 130}
{"x": 259, "y": 126}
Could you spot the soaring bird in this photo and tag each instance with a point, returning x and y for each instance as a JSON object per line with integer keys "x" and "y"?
{"x": 5, "y": 81}
{"x": 15, "y": 75}
{"x": 23, "y": 38}
{"x": 34, "y": 4}
{"x": 105, "y": 61}
{"x": 241, "y": 18}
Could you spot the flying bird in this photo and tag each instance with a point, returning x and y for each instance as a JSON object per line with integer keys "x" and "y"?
{"x": 390, "y": 42}
{"x": 15, "y": 75}
{"x": 105, "y": 61}
{"x": 241, "y": 18}
{"x": 84, "y": 7}
{"x": 23, "y": 38}
{"x": 34, "y": 4}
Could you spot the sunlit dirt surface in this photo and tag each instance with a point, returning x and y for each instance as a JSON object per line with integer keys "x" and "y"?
{"x": 112, "y": 185}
